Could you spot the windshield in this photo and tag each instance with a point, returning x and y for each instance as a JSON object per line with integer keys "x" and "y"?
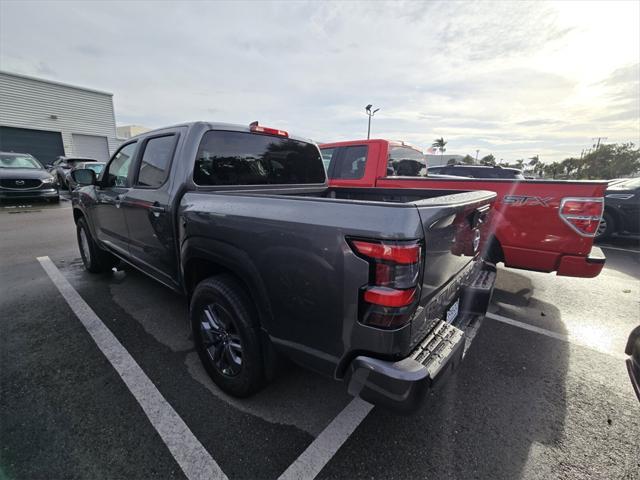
{"x": 18, "y": 161}
{"x": 406, "y": 162}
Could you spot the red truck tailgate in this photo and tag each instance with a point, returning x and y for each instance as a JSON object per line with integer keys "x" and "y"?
{"x": 527, "y": 221}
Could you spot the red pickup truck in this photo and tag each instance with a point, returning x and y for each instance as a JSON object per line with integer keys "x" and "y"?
{"x": 540, "y": 225}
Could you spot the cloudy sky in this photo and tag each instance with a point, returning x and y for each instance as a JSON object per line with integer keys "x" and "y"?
{"x": 510, "y": 78}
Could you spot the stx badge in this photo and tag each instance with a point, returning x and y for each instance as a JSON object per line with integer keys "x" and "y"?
{"x": 525, "y": 200}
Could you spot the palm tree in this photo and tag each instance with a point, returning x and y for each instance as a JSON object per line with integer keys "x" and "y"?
{"x": 439, "y": 144}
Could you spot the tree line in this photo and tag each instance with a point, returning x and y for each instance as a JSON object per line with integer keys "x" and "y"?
{"x": 608, "y": 161}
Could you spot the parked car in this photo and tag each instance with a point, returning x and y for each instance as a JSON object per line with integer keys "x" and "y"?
{"x": 477, "y": 171}
{"x": 342, "y": 281}
{"x": 621, "y": 209}
{"x": 95, "y": 166}
{"x": 61, "y": 168}
{"x": 22, "y": 176}
{"x": 633, "y": 362}
{"x": 540, "y": 225}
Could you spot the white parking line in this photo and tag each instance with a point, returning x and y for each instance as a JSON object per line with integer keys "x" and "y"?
{"x": 193, "y": 458}
{"x": 620, "y": 249}
{"x": 325, "y": 446}
{"x": 526, "y": 326}
{"x": 548, "y": 333}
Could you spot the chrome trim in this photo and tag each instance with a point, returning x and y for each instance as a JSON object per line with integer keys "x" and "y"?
{"x": 24, "y": 189}
{"x": 581, "y": 217}
{"x": 620, "y": 196}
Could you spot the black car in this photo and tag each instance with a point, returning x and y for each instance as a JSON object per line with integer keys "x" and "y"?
{"x": 62, "y": 167}
{"x": 621, "y": 209}
{"x": 477, "y": 171}
{"x": 23, "y": 176}
{"x": 95, "y": 166}
{"x": 633, "y": 362}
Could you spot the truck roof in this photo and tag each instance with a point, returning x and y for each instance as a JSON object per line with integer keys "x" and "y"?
{"x": 216, "y": 126}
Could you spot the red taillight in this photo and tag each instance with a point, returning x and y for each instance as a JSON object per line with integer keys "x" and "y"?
{"x": 254, "y": 127}
{"x": 383, "y": 251}
{"x": 582, "y": 214}
{"x": 391, "y": 295}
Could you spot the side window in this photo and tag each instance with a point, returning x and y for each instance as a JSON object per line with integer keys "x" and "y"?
{"x": 156, "y": 159}
{"x": 118, "y": 169}
{"x": 349, "y": 162}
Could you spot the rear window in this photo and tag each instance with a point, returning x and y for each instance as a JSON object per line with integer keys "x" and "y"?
{"x": 348, "y": 163}
{"x": 241, "y": 158}
{"x": 406, "y": 162}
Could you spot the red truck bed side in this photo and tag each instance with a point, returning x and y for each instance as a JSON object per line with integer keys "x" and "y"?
{"x": 528, "y": 229}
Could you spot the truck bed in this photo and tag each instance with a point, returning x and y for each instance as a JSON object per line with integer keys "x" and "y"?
{"x": 307, "y": 286}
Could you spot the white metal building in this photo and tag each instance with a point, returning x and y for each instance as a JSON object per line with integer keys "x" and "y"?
{"x": 49, "y": 119}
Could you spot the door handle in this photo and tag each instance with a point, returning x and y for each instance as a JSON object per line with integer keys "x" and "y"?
{"x": 157, "y": 209}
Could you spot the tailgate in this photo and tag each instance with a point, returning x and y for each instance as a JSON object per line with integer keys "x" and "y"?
{"x": 455, "y": 230}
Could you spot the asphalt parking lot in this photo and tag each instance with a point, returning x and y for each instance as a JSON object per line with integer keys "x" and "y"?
{"x": 543, "y": 392}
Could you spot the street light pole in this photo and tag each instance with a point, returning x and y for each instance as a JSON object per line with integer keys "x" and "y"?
{"x": 370, "y": 113}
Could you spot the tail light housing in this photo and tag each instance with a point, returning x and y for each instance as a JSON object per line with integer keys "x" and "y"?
{"x": 393, "y": 291}
{"x": 582, "y": 214}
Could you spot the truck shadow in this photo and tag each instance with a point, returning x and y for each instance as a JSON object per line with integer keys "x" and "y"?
{"x": 163, "y": 315}
{"x": 506, "y": 400}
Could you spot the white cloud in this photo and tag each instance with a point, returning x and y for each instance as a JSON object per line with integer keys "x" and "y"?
{"x": 515, "y": 79}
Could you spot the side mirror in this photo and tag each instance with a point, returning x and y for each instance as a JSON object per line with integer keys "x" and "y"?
{"x": 84, "y": 176}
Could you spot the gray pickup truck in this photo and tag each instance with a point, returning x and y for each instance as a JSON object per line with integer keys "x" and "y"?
{"x": 373, "y": 287}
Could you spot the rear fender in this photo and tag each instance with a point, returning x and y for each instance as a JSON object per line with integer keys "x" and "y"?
{"x": 233, "y": 260}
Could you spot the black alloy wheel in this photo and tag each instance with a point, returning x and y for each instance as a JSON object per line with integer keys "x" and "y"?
{"x": 221, "y": 339}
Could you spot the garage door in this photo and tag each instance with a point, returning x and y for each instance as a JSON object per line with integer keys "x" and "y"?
{"x": 44, "y": 145}
{"x": 90, "y": 146}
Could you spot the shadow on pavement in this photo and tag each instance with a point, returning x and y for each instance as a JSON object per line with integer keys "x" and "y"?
{"x": 507, "y": 397}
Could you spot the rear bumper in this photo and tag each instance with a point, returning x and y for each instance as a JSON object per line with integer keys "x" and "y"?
{"x": 586, "y": 267}
{"x": 402, "y": 385}
{"x": 29, "y": 194}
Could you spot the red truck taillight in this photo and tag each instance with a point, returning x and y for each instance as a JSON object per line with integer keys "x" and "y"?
{"x": 582, "y": 214}
{"x": 392, "y": 292}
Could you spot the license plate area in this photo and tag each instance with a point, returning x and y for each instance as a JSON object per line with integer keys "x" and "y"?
{"x": 453, "y": 311}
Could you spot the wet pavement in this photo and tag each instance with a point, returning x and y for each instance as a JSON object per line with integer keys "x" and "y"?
{"x": 524, "y": 404}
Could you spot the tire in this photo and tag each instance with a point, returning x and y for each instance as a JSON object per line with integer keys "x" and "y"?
{"x": 227, "y": 335}
{"x": 607, "y": 226}
{"x": 94, "y": 258}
